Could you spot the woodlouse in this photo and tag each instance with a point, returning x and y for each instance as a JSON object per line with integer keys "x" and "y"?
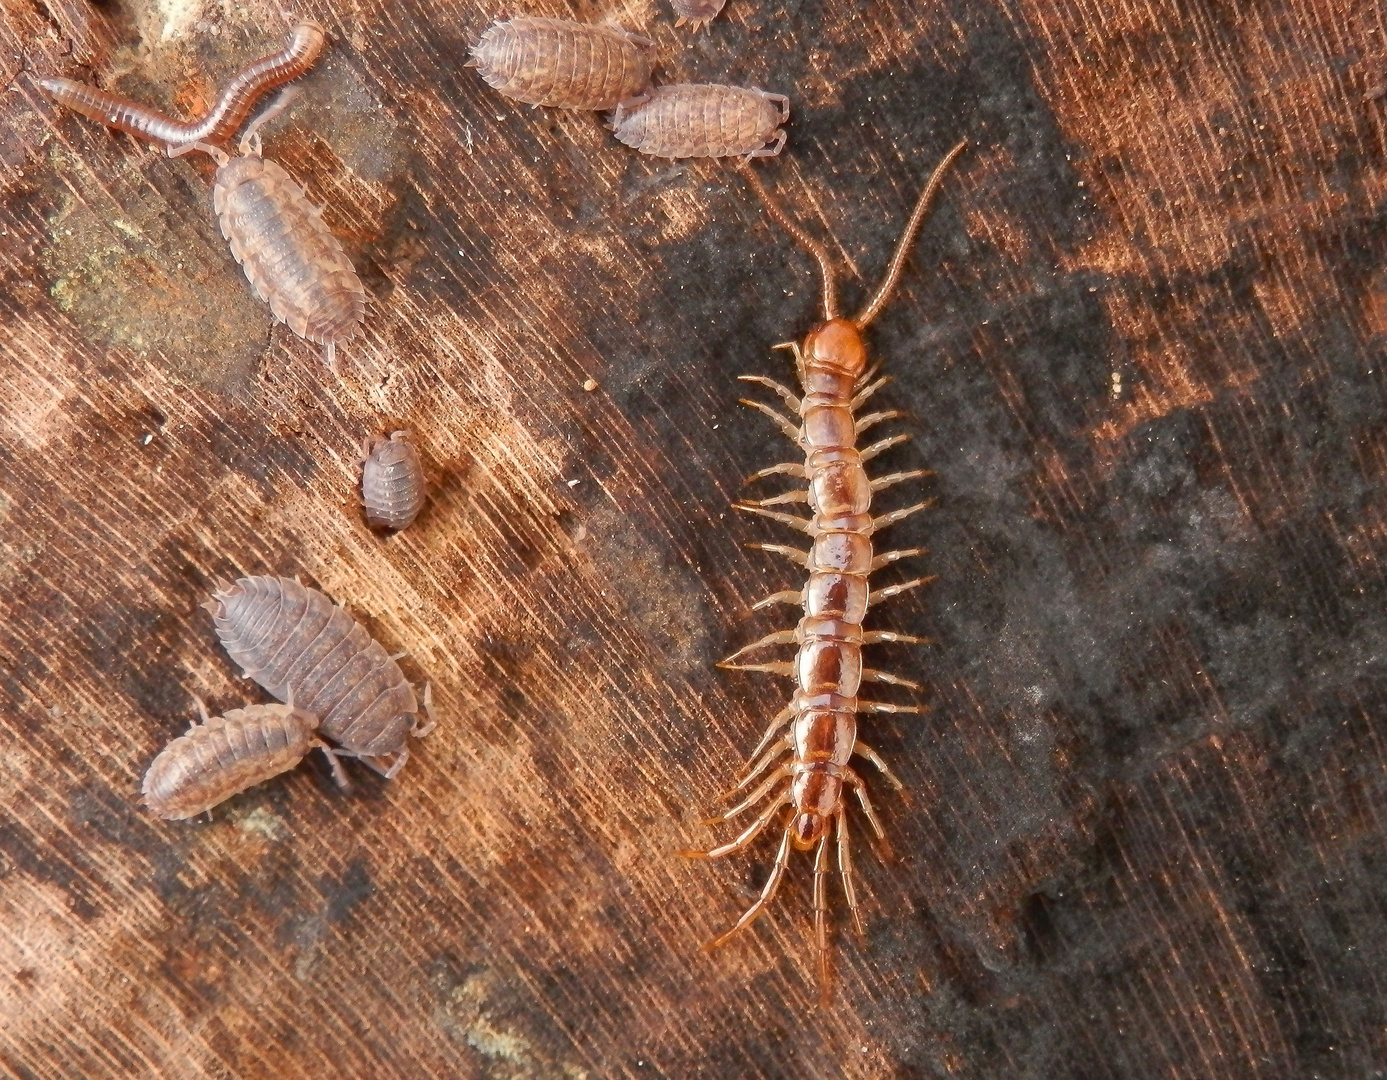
{"x": 225, "y": 116}
{"x": 697, "y": 13}
{"x": 822, "y": 714}
{"x": 225, "y": 755}
{"x": 392, "y": 481}
{"x": 566, "y": 64}
{"x": 300, "y": 646}
{"x": 685, "y": 120}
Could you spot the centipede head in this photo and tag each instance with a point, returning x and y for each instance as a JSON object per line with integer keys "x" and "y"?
{"x": 836, "y": 346}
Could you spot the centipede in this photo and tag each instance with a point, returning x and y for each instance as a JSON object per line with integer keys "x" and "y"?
{"x": 803, "y": 761}
{"x": 215, "y": 126}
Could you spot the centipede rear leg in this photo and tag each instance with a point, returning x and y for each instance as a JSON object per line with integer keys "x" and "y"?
{"x": 782, "y": 860}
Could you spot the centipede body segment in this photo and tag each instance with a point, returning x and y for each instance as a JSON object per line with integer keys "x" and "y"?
{"x": 805, "y": 776}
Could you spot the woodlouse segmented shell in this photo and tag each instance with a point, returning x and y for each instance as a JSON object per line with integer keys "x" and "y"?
{"x": 225, "y": 755}
{"x": 697, "y": 13}
{"x": 566, "y": 64}
{"x": 290, "y": 258}
{"x": 300, "y": 646}
{"x": 392, "y": 481}
{"x": 703, "y": 120}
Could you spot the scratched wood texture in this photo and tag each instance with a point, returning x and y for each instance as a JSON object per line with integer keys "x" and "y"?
{"x": 1141, "y": 342}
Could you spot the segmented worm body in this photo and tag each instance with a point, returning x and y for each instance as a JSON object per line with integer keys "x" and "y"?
{"x": 570, "y": 65}
{"x": 684, "y": 120}
{"x": 817, "y": 732}
{"x": 220, "y": 122}
{"x": 301, "y": 647}
{"x": 697, "y": 13}
{"x": 392, "y": 481}
{"x": 225, "y": 755}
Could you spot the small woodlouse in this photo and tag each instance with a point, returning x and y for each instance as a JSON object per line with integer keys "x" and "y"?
{"x": 392, "y": 481}
{"x": 685, "y": 120}
{"x": 815, "y": 736}
{"x": 225, "y": 755}
{"x": 220, "y": 122}
{"x": 570, "y": 65}
{"x": 697, "y": 13}
{"x": 301, "y": 647}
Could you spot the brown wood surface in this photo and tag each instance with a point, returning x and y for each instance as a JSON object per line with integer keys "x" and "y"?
{"x": 1142, "y": 343}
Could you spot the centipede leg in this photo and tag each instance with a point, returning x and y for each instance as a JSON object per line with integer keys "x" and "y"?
{"x": 788, "y": 426}
{"x": 785, "y": 596}
{"x": 821, "y": 919}
{"x": 785, "y": 468}
{"x": 845, "y": 869}
{"x": 875, "y": 675}
{"x": 751, "y": 800}
{"x": 871, "y": 420}
{"x": 782, "y": 860}
{"x": 883, "y": 482}
{"x": 750, "y": 833}
{"x": 861, "y": 789}
{"x": 895, "y": 590}
{"x": 881, "y": 447}
{"x": 779, "y": 721}
{"x": 899, "y": 515}
{"x": 780, "y": 637}
{"x": 755, "y": 770}
{"x": 868, "y": 389}
{"x": 886, "y": 558}
{"x": 785, "y": 393}
{"x": 876, "y": 759}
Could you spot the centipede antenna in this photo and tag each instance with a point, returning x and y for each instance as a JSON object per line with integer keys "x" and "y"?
{"x": 892, "y": 276}
{"x": 800, "y": 237}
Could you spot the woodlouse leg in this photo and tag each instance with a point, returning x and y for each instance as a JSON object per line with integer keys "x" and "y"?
{"x": 821, "y": 917}
{"x": 788, "y": 426}
{"x": 877, "y": 637}
{"x": 890, "y": 479}
{"x": 420, "y": 730}
{"x": 867, "y": 391}
{"x": 888, "y": 707}
{"x": 873, "y": 675}
{"x": 250, "y": 141}
{"x": 750, "y": 833}
{"x": 786, "y": 468}
{"x": 800, "y": 556}
{"x": 886, "y": 558}
{"x": 873, "y": 419}
{"x": 786, "y": 394}
{"x": 216, "y": 153}
{"x": 782, "y": 860}
{"x": 330, "y": 357}
{"x": 780, "y": 637}
{"x": 339, "y": 774}
{"x": 770, "y": 151}
{"x": 899, "y": 515}
{"x": 786, "y": 596}
{"x": 202, "y": 711}
{"x": 896, "y": 590}
{"x": 804, "y": 525}
{"x": 881, "y": 447}
{"x": 766, "y": 761}
{"x": 845, "y": 869}
{"x": 875, "y": 758}
{"x": 751, "y": 800}
{"x": 799, "y": 495}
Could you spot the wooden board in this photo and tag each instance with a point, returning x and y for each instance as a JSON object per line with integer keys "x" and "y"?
{"x": 1142, "y": 345}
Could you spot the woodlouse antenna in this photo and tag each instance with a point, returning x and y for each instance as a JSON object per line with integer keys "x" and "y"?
{"x": 892, "y": 276}
{"x": 220, "y": 122}
{"x": 800, "y": 237}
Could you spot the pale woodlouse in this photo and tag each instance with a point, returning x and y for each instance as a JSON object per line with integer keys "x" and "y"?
{"x": 697, "y": 13}
{"x": 685, "y": 120}
{"x": 290, "y": 258}
{"x": 221, "y": 121}
{"x": 561, "y": 63}
{"x": 822, "y": 714}
{"x": 224, "y": 755}
{"x": 392, "y": 481}
{"x": 301, "y": 647}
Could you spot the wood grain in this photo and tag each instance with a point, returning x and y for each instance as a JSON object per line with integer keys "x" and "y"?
{"x": 1142, "y": 340}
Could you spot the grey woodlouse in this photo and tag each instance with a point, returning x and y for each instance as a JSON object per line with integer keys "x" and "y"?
{"x": 300, "y": 646}
{"x": 566, "y": 64}
{"x": 225, "y": 755}
{"x": 392, "y": 481}
{"x": 817, "y": 731}
{"x": 220, "y": 122}
{"x": 684, "y": 120}
{"x": 697, "y": 13}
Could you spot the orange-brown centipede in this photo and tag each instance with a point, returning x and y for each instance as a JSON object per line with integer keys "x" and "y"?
{"x": 822, "y": 715}
{"x": 225, "y": 116}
